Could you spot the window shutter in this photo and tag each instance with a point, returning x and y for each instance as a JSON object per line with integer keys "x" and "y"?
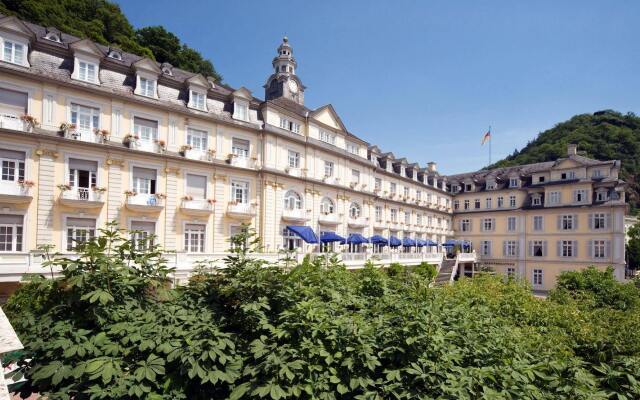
{"x": 83, "y": 165}
{"x": 517, "y": 249}
{"x": 12, "y": 154}
{"x": 559, "y": 248}
{"x": 460, "y": 225}
{"x": 493, "y": 224}
{"x": 607, "y": 221}
{"x": 544, "y": 248}
{"x": 144, "y": 226}
{"x": 530, "y": 248}
{"x": 591, "y": 221}
{"x": 590, "y": 248}
{"x": 607, "y": 248}
{"x": 470, "y": 225}
{"x": 575, "y": 196}
{"x": 145, "y": 173}
{"x": 489, "y": 248}
{"x": 197, "y": 186}
{"x": 559, "y": 219}
{"x": 575, "y": 221}
{"x": 575, "y": 248}
{"x": 81, "y": 222}
{"x": 504, "y": 248}
{"x": 11, "y": 219}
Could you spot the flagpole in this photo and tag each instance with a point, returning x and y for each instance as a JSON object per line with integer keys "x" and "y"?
{"x": 490, "y": 140}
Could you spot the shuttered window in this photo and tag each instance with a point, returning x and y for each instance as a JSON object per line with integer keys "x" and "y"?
{"x": 197, "y": 186}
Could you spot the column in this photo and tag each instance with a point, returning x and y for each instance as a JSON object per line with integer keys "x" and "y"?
{"x": 46, "y": 200}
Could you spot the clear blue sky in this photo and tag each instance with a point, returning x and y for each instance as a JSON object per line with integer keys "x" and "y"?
{"x": 425, "y": 79}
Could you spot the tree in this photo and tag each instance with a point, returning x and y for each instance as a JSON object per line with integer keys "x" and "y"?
{"x": 633, "y": 247}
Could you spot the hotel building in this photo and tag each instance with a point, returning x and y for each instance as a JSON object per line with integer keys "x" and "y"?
{"x": 177, "y": 155}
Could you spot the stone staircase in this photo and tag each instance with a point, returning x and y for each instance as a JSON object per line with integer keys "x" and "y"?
{"x": 448, "y": 268}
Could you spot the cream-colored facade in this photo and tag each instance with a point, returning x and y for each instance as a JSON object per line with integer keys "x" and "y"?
{"x": 535, "y": 221}
{"x": 174, "y": 154}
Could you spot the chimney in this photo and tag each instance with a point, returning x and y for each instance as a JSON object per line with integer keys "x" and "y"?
{"x": 572, "y": 149}
{"x": 431, "y": 166}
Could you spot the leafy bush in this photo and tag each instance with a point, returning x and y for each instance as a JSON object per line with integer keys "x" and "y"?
{"x": 109, "y": 328}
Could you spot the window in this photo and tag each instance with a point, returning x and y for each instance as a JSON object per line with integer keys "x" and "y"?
{"x": 510, "y": 248}
{"x": 378, "y": 213}
{"x": 354, "y": 211}
{"x": 79, "y": 230}
{"x": 289, "y": 125}
{"x": 197, "y": 139}
{"x": 326, "y": 206}
{"x": 488, "y": 202}
{"x": 599, "y": 221}
{"x": 500, "y": 202}
{"x": 536, "y": 200}
{"x": 477, "y": 203}
{"x": 567, "y": 248}
{"x": 394, "y": 215}
{"x": 511, "y": 224}
{"x": 467, "y": 187}
{"x": 86, "y": 119}
{"x": 290, "y": 240}
{"x": 240, "y": 192}
{"x": 328, "y": 137}
{"x": 554, "y": 197}
{"x": 11, "y": 232}
{"x": 197, "y": 100}
{"x": 599, "y": 249}
{"x": 485, "y": 247}
{"x": 235, "y": 230}
{"x": 12, "y": 165}
{"x": 328, "y": 169}
{"x": 87, "y": 71}
{"x": 597, "y": 173}
{"x": 465, "y": 225}
{"x": 377, "y": 184}
{"x": 353, "y": 149}
{"x": 487, "y": 224}
{"x": 491, "y": 185}
{"x": 407, "y": 217}
{"x": 429, "y": 197}
{"x": 292, "y": 200}
{"x": 537, "y": 277}
{"x": 602, "y": 195}
{"x": 82, "y": 176}
{"x": 568, "y": 175}
{"x": 147, "y": 87}
{"x": 538, "y": 223}
{"x": 429, "y": 220}
{"x": 143, "y": 234}
{"x": 418, "y": 195}
{"x": 567, "y": 222}
{"x": 512, "y": 201}
{"x": 406, "y": 192}
{"x": 392, "y": 188}
{"x": 514, "y": 182}
{"x": 293, "y": 159}
{"x": 579, "y": 195}
{"x": 419, "y": 219}
{"x": 511, "y": 272}
{"x": 466, "y": 204}
{"x": 541, "y": 179}
{"x": 14, "y": 52}
{"x": 194, "y": 238}
{"x": 196, "y": 186}
{"x": 537, "y": 248}
{"x": 241, "y": 110}
{"x": 355, "y": 176}
{"x": 456, "y": 204}
{"x": 144, "y": 180}
{"x": 240, "y": 148}
{"x": 145, "y": 129}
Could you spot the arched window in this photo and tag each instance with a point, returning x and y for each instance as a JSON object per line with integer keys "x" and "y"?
{"x": 354, "y": 210}
{"x": 327, "y": 206}
{"x": 292, "y": 200}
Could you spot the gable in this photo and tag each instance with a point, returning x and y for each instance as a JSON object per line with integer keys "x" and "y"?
{"x": 242, "y": 93}
{"x": 566, "y": 163}
{"x": 198, "y": 80}
{"x": 328, "y": 116}
{"x": 86, "y": 46}
{"x": 148, "y": 65}
{"x": 15, "y": 26}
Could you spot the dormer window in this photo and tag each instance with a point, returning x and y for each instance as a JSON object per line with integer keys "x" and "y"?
{"x": 167, "y": 69}
{"x": 115, "y": 54}
{"x": 87, "y": 71}
{"x": 328, "y": 137}
{"x": 241, "y": 110}
{"x": 467, "y": 187}
{"x": 491, "y": 185}
{"x": 514, "y": 182}
{"x": 568, "y": 175}
{"x": 53, "y": 36}
{"x": 14, "y": 52}
{"x": 197, "y": 100}
{"x": 146, "y": 87}
{"x": 289, "y": 125}
{"x": 353, "y": 149}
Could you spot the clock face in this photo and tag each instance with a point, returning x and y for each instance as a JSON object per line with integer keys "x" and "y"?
{"x": 293, "y": 86}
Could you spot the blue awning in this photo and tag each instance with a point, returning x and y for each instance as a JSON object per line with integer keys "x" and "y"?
{"x": 306, "y": 233}
{"x": 394, "y": 241}
{"x": 377, "y": 239}
{"x": 408, "y": 242}
{"x": 356, "y": 238}
{"x": 430, "y": 242}
{"x": 330, "y": 237}
{"x": 421, "y": 243}
{"x": 450, "y": 243}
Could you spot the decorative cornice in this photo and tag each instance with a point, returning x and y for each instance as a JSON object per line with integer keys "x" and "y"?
{"x": 47, "y": 152}
{"x": 222, "y": 178}
{"x": 172, "y": 170}
{"x": 113, "y": 161}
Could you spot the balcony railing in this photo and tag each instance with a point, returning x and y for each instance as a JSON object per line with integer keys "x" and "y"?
{"x": 84, "y": 135}
{"x": 82, "y": 197}
{"x": 359, "y": 222}
{"x": 145, "y": 145}
{"x": 197, "y": 154}
{"x": 241, "y": 210}
{"x": 14, "y": 192}
{"x": 243, "y": 162}
{"x": 8, "y": 121}
{"x": 196, "y": 206}
{"x": 297, "y": 215}
{"x": 329, "y": 219}
{"x": 145, "y": 202}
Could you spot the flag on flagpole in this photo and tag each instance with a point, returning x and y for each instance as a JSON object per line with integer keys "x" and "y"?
{"x": 486, "y": 137}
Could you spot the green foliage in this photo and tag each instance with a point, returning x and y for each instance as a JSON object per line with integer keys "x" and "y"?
{"x": 109, "y": 328}
{"x": 604, "y": 135}
{"x": 633, "y": 247}
{"x": 102, "y": 21}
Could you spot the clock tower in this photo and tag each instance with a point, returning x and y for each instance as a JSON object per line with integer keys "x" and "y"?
{"x": 284, "y": 82}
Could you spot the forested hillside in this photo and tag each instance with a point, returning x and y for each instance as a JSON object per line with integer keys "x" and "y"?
{"x": 603, "y": 135}
{"x": 104, "y": 22}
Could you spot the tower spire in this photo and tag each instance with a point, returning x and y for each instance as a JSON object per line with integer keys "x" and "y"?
{"x": 284, "y": 82}
{"x": 284, "y": 63}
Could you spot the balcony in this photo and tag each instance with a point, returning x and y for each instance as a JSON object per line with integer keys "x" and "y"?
{"x": 196, "y": 207}
{"x": 145, "y": 145}
{"x": 297, "y": 172}
{"x": 85, "y": 135}
{"x": 242, "y": 162}
{"x": 379, "y": 224}
{"x": 145, "y": 203}
{"x": 241, "y": 210}
{"x": 360, "y": 222}
{"x": 15, "y": 192}
{"x": 79, "y": 197}
{"x": 8, "y": 121}
{"x": 298, "y": 215}
{"x": 329, "y": 219}
{"x": 197, "y": 154}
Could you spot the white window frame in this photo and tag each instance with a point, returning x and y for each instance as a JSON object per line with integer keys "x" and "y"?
{"x": 511, "y": 248}
{"x": 241, "y": 110}
{"x": 567, "y": 249}
{"x": 87, "y": 71}
{"x": 512, "y": 201}
{"x": 240, "y": 151}
{"x": 146, "y": 86}
{"x": 485, "y": 248}
{"x": 14, "y": 235}
{"x": 141, "y": 238}
{"x": 512, "y": 224}
{"x": 240, "y": 191}
{"x": 537, "y": 278}
{"x": 327, "y": 137}
{"x": 599, "y": 249}
{"x": 197, "y": 100}
{"x": 292, "y": 200}
{"x": 198, "y": 139}
{"x": 139, "y": 130}
{"x": 538, "y": 223}
{"x": 78, "y": 110}
{"x": 514, "y": 182}
{"x": 378, "y": 213}
{"x": 327, "y": 206}
{"x": 554, "y": 197}
{"x": 12, "y": 55}
{"x": 293, "y": 159}
{"x": 355, "y": 211}
{"x": 194, "y": 239}
{"x": 65, "y": 233}
{"x": 328, "y": 168}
